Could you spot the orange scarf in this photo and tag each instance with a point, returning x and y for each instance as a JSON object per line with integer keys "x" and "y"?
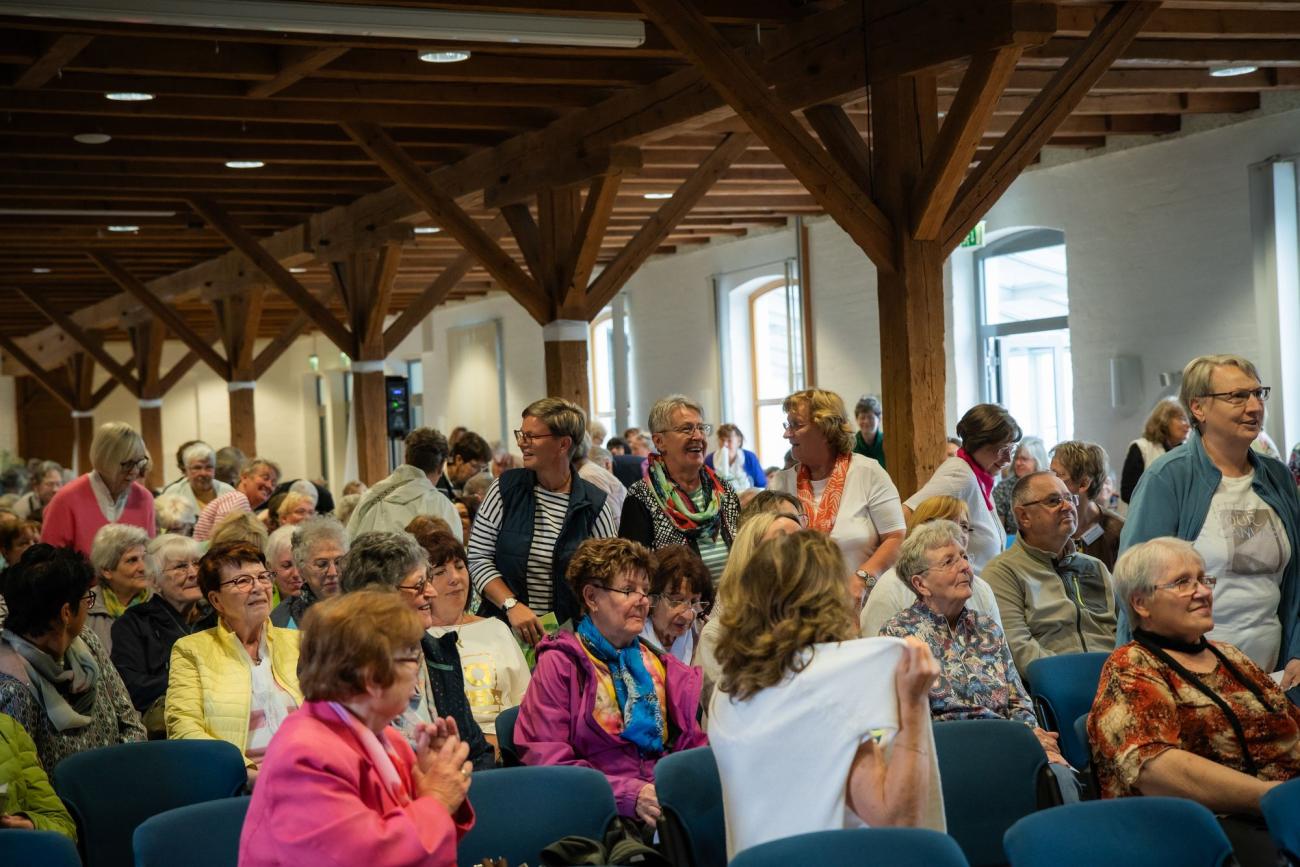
{"x": 823, "y": 518}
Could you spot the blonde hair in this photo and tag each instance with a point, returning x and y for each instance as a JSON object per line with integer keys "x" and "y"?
{"x": 292, "y": 500}
{"x": 239, "y": 527}
{"x": 826, "y": 412}
{"x": 940, "y": 508}
{"x": 1157, "y": 427}
{"x": 1200, "y": 371}
{"x": 114, "y": 444}
{"x": 793, "y": 596}
{"x": 563, "y": 418}
{"x": 746, "y": 541}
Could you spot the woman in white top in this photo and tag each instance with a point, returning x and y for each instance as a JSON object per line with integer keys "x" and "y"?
{"x": 794, "y": 725}
{"x": 845, "y": 495}
{"x": 198, "y": 461}
{"x": 1166, "y": 428}
{"x": 681, "y": 592}
{"x": 988, "y": 440}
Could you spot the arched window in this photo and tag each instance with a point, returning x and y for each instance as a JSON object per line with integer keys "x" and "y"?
{"x": 772, "y": 364}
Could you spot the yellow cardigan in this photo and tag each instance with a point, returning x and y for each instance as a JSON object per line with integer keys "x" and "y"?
{"x": 210, "y": 685}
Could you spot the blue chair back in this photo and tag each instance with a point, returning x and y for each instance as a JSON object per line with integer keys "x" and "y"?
{"x": 991, "y": 771}
{"x": 43, "y": 848}
{"x": 505, "y": 729}
{"x": 111, "y": 790}
{"x": 862, "y": 847}
{"x": 1120, "y": 831}
{"x": 1062, "y": 688}
{"x": 1080, "y": 728}
{"x": 693, "y": 826}
{"x": 168, "y": 838}
{"x": 1281, "y": 808}
{"x": 520, "y": 811}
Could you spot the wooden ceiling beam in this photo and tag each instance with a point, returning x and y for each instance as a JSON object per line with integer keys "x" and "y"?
{"x": 295, "y": 65}
{"x": 526, "y": 235}
{"x": 276, "y": 156}
{"x": 52, "y": 384}
{"x": 57, "y": 54}
{"x": 1153, "y": 81}
{"x": 561, "y": 170}
{"x": 593, "y": 225}
{"x": 1191, "y": 23}
{"x": 1199, "y": 52}
{"x": 88, "y": 342}
{"x": 842, "y": 141}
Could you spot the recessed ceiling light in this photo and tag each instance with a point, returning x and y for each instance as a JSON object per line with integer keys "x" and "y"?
{"x": 1230, "y": 71}
{"x": 128, "y": 96}
{"x": 92, "y": 138}
{"x": 40, "y": 270}
{"x": 123, "y": 228}
{"x": 426, "y": 230}
{"x": 297, "y": 270}
{"x": 244, "y": 164}
{"x": 432, "y": 55}
{"x": 658, "y": 195}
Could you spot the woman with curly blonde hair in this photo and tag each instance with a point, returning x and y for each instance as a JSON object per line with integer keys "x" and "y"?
{"x": 801, "y": 702}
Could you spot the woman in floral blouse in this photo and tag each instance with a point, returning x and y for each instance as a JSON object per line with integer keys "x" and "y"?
{"x": 977, "y": 678}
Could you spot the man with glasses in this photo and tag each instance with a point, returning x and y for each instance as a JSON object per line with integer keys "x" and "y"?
{"x": 468, "y": 457}
{"x": 1052, "y": 598}
{"x": 411, "y": 490}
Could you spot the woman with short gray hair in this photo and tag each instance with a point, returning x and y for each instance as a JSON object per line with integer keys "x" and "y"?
{"x": 199, "y": 485}
{"x": 121, "y": 562}
{"x": 1237, "y": 508}
{"x": 1030, "y": 457}
{"x": 175, "y": 514}
{"x": 109, "y": 494}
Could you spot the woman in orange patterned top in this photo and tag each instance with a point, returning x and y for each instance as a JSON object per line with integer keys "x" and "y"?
{"x": 1177, "y": 714}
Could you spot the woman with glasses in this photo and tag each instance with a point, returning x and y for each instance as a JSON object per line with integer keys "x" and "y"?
{"x": 603, "y": 698}
{"x": 988, "y": 436}
{"x": 532, "y": 520}
{"x": 237, "y": 681}
{"x": 681, "y": 501}
{"x": 109, "y": 494}
{"x": 681, "y": 593}
{"x": 56, "y": 679}
{"x": 1030, "y": 457}
{"x": 1178, "y": 714}
{"x": 144, "y": 635}
{"x": 1237, "y": 507}
{"x": 845, "y": 495}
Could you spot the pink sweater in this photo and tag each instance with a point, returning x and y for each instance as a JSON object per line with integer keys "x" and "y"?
{"x": 73, "y": 517}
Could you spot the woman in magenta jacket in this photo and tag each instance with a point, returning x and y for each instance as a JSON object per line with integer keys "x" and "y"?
{"x": 109, "y": 494}
{"x": 602, "y": 698}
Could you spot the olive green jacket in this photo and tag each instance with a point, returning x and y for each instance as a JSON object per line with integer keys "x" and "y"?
{"x": 27, "y": 789}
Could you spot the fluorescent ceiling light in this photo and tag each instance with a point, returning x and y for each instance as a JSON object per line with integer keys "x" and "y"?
{"x": 426, "y": 230}
{"x": 658, "y": 195}
{"x": 1230, "y": 71}
{"x": 123, "y": 228}
{"x": 40, "y": 270}
{"x": 92, "y": 138}
{"x": 297, "y": 270}
{"x": 431, "y": 25}
{"x": 75, "y": 212}
{"x": 434, "y": 56}
{"x": 128, "y": 96}
{"x": 244, "y": 164}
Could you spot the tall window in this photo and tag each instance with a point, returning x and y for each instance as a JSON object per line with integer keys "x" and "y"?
{"x": 1025, "y": 328}
{"x": 415, "y": 384}
{"x": 602, "y": 370}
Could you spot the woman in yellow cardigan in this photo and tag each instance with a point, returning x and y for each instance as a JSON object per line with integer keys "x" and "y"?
{"x": 237, "y": 681}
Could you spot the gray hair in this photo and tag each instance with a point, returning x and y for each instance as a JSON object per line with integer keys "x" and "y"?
{"x": 198, "y": 449}
{"x": 279, "y": 542}
{"x": 478, "y": 485}
{"x": 167, "y": 546}
{"x": 380, "y": 558}
{"x": 926, "y": 537}
{"x": 112, "y": 541}
{"x": 1198, "y": 373}
{"x": 47, "y": 467}
{"x": 255, "y": 464}
{"x": 868, "y": 403}
{"x": 173, "y": 511}
{"x": 661, "y": 414}
{"x": 1081, "y": 459}
{"x": 306, "y": 489}
{"x": 599, "y": 455}
{"x": 1139, "y": 568}
{"x": 345, "y": 506}
{"x": 564, "y": 419}
{"x": 311, "y": 533}
{"x": 1020, "y": 493}
{"x": 1034, "y": 446}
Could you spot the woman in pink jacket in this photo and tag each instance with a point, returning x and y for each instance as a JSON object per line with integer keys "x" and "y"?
{"x": 341, "y": 786}
{"x": 109, "y": 494}
{"x": 602, "y": 698}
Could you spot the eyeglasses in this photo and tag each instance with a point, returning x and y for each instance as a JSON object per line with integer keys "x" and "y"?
{"x": 793, "y": 425}
{"x": 417, "y": 588}
{"x": 1055, "y": 501}
{"x": 244, "y": 583}
{"x": 690, "y": 429}
{"x": 90, "y": 598}
{"x": 524, "y": 438}
{"x": 136, "y": 464}
{"x": 1242, "y": 395}
{"x": 948, "y": 564}
{"x": 324, "y": 563}
{"x": 1008, "y": 450}
{"x": 415, "y": 658}
{"x": 181, "y": 568}
{"x": 1186, "y": 585}
{"x": 627, "y": 592}
{"x": 698, "y": 606}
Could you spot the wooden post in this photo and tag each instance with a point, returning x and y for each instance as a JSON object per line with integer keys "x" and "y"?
{"x": 83, "y": 427}
{"x": 147, "y": 341}
{"x": 370, "y": 414}
{"x": 238, "y": 318}
{"x": 81, "y": 374}
{"x": 566, "y": 361}
{"x": 243, "y": 416}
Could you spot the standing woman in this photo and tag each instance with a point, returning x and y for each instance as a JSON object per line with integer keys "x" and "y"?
{"x": 199, "y": 485}
{"x": 681, "y": 501}
{"x": 533, "y": 519}
{"x": 1166, "y": 428}
{"x": 1237, "y": 508}
{"x": 1031, "y": 456}
{"x": 988, "y": 440}
{"x": 846, "y": 495}
{"x": 733, "y": 462}
{"x": 109, "y": 494}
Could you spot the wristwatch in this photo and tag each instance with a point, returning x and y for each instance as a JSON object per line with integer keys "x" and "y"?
{"x": 867, "y": 578}
{"x": 508, "y": 603}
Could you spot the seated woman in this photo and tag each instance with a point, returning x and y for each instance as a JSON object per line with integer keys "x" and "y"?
{"x": 175, "y": 514}
{"x": 121, "y": 561}
{"x": 340, "y": 785}
{"x": 144, "y": 635}
{"x": 29, "y": 801}
{"x": 279, "y": 559}
{"x": 977, "y": 678}
{"x": 55, "y": 677}
{"x": 801, "y": 697}
{"x": 15, "y": 538}
{"x": 1177, "y": 714}
{"x": 681, "y": 592}
{"x": 237, "y": 681}
{"x": 644, "y": 703}
{"x": 495, "y": 671}
{"x": 892, "y": 594}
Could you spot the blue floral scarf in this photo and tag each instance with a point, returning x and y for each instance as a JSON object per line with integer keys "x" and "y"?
{"x": 643, "y": 721}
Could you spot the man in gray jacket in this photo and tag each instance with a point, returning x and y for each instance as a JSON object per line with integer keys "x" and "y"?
{"x": 410, "y": 491}
{"x": 1052, "y": 598}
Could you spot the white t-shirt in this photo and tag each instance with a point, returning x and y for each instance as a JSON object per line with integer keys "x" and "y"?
{"x": 496, "y": 673}
{"x": 1245, "y": 545}
{"x": 869, "y": 507}
{"x": 784, "y": 755}
{"x": 891, "y": 595}
{"x": 955, "y": 478}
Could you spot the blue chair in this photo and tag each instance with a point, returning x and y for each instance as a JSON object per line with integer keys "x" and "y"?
{"x": 1153, "y": 832}
{"x": 111, "y": 790}
{"x": 993, "y": 771}
{"x": 505, "y": 729}
{"x": 520, "y": 811}
{"x": 44, "y": 848}
{"x": 168, "y": 838}
{"x": 1062, "y": 688}
{"x": 1281, "y": 808}
{"x": 693, "y": 827}
{"x": 862, "y": 847}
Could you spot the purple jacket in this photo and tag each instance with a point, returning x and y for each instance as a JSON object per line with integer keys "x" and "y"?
{"x": 556, "y": 726}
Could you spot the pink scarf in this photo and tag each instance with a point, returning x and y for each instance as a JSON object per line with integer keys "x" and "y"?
{"x": 378, "y": 754}
{"x": 984, "y": 478}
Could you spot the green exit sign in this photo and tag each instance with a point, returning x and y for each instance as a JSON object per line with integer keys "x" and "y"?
{"x": 976, "y": 236}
